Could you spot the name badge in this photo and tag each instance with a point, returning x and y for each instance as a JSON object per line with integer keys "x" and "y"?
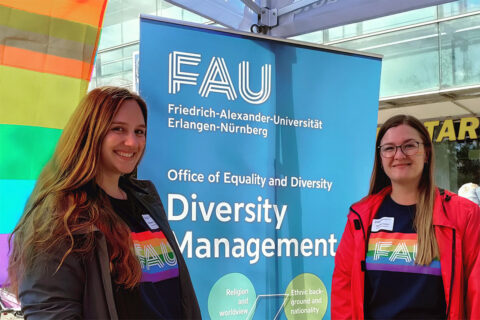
{"x": 385, "y": 223}
{"x": 150, "y": 222}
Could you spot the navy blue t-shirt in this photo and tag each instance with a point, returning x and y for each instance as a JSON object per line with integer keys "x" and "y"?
{"x": 396, "y": 287}
{"x": 158, "y": 294}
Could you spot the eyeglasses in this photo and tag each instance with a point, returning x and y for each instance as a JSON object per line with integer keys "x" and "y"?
{"x": 408, "y": 148}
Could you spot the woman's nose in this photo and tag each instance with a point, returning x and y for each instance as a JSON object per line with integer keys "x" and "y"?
{"x": 399, "y": 153}
{"x": 131, "y": 140}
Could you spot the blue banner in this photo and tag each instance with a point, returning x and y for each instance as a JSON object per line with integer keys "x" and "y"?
{"x": 257, "y": 147}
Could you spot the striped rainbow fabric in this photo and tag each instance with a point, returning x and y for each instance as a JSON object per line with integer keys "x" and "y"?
{"x": 47, "y": 51}
{"x": 396, "y": 252}
{"x": 156, "y": 256}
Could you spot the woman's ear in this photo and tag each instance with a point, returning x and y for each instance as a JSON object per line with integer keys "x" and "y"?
{"x": 427, "y": 155}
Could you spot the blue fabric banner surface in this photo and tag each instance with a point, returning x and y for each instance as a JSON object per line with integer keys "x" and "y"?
{"x": 257, "y": 148}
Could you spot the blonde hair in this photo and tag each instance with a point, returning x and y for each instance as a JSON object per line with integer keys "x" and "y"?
{"x": 427, "y": 249}
{"x": 67, "y": 201}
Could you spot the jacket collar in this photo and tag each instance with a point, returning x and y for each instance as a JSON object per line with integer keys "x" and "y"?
{"x": 368, "y": 206}
{"x": 132, "y": 185}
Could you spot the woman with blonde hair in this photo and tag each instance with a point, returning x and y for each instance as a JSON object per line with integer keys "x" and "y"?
{"x": 94, "y": 242}
{"x": 409, "y": 250}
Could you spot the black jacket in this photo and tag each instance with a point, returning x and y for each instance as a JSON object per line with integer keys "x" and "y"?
{"x": 82, "y": 288}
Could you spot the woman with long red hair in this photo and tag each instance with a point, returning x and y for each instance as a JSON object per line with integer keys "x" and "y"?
{"x": 93, "y": 241}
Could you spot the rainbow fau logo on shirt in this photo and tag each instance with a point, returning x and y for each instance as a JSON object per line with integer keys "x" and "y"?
{"x": 156, "y": 256}
{"x": 390, "y": 251}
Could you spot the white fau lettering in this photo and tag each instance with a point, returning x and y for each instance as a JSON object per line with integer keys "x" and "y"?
{"x": 217, "y": 77}
{"x": 400, "y": 251}
{"x": 149, "y": 257}
{"x": 244, "y": 83}
{"x": 176, "y": 77}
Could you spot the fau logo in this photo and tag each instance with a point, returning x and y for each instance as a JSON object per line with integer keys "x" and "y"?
{"x": 217, "y": 78}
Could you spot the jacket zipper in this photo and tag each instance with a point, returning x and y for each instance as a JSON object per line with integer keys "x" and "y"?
{"x": 363, "y": 263}
{"x": 365, "y": 237}
{"x": 360, "y": 221}
{"x": 454, "y": 240}
{"x": 453, "y": 274}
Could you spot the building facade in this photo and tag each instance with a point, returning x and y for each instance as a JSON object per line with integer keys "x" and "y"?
{"x": 431, "y": 69}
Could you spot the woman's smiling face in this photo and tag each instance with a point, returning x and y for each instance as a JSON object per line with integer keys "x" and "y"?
{"x": 124, "y": 143}
{"x": 401, "y": 168}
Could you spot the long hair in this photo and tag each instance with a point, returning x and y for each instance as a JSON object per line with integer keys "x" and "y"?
{"x": 427, "y": 248}
{"x": 66, "y": 204}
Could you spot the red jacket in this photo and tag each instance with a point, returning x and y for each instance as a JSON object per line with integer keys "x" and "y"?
{"x": 457, "y": 228}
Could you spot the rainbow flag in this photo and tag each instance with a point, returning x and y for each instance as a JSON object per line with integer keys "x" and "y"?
{"x": 47, "y": 51}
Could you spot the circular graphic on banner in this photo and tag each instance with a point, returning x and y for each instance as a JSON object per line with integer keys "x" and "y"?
{"x": 307, "y": 298}
{"x": 231, "y": 297}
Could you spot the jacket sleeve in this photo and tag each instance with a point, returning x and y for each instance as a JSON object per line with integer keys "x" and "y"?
{"x": 471, "y": 252}
{"x": 342, "y": 307}
{"x": 49, "y": 295}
